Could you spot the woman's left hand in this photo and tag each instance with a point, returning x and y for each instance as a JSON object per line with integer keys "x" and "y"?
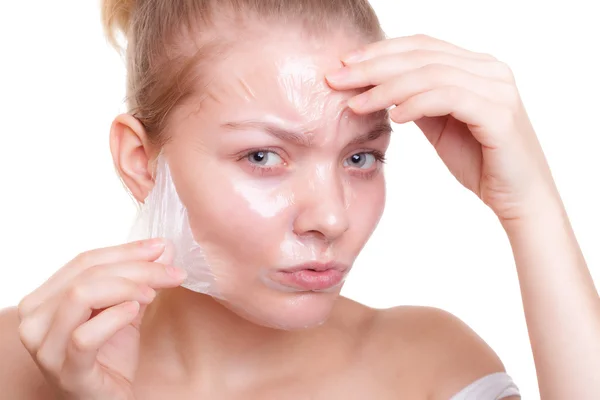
{"x": 467, "y": 105}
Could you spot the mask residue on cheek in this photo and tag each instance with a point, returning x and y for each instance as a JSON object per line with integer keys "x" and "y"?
{"x": 267, "y": 201}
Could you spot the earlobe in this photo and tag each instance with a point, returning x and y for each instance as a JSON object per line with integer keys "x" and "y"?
{"x": 131, "y": 152}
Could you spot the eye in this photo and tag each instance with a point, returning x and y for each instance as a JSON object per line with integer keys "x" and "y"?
{"x": 264, "y": 158}
{"x": 361, "y": 160}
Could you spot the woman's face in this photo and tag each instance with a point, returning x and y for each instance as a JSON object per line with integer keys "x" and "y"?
{"x": 282, "y": 182}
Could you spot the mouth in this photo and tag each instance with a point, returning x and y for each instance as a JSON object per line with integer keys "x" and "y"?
{"x": 312, "y": 276}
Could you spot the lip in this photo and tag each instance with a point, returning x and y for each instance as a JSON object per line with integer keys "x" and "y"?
{"x": 312, "y": 276}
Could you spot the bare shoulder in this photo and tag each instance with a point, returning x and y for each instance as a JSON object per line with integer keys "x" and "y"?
{"x": 19, "y": 376}
{"x": 439, "y": 350}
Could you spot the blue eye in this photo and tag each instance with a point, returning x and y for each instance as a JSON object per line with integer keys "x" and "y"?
{"x": 264, "y": 158}
{"x": 360, "y": 160}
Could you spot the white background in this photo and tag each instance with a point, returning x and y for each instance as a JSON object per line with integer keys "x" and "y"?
{"x": 61, "y": 85}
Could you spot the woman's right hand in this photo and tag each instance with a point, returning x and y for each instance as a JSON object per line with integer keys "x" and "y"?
{"x": 82, "y": 326}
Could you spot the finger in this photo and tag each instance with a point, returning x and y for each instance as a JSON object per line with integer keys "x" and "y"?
{"x": 483, "y": 117}
{"x": 81, "y": 371}
{"x": 76, "y": 308}
{"x": 408, "y": 43}
{"x": 137, "y": 321}
{"x": 157, "y": 276}
{"x": 424, "y": 79}
{"x": 145, "y": 250}
{"x": 379, "y": 70}
{"x": 145, "y": 274}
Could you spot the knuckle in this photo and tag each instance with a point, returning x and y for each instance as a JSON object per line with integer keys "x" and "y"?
{"x": 91, "y": 272}
{"x": 505, "y": 71}
{"x": 422, "y": 38}
{"x": 45, "y": 360}
{"x": 76, "y": 294}
{"x": 83, "y": 258}
{"x": 24, "y": 307}
{"x": 487, "y": 56}
{"x": 87, "y": 258}
{"x": 27, "y": 335}
{"x": 79, "y": 342}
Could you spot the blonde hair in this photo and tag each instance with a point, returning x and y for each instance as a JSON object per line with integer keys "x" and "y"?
{"x": 161, "y": 65}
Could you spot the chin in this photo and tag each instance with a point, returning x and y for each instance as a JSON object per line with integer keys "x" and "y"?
{"x": 287, "y": 311}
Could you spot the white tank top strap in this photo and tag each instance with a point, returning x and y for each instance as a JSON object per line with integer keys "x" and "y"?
{"x": 492, "y": 387}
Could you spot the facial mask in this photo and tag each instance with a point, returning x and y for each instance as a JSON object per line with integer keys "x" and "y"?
{"x": 273, "y": 246}
{"x": 164, "y": 216}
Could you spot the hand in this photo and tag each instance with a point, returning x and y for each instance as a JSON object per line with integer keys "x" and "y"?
{"x": 468, "y": 107}
{"x": 82, "y": 326}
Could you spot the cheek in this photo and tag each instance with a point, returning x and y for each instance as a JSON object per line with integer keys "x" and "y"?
{"x": 366, "y": 208}
{"x": 240, "y": 217}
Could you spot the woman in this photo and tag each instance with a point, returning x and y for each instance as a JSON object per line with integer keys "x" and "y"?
{"x": 277, "y": 159}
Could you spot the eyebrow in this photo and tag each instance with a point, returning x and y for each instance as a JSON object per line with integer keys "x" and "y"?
{"x": 381, "y": 128}
{"x": 271, "y": 129}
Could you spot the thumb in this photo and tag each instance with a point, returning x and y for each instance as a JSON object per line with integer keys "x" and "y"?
{"x": 432, "y": 127}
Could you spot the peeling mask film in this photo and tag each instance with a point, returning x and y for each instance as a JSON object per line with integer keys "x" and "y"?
{"x": 300, "y": 270}
{"x": 269, "y": 191}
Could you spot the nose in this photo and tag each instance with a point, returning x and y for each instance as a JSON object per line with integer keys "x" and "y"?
{"x": 323, "y": 210}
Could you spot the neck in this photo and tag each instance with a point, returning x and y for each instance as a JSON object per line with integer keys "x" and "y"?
{"x": 194, "y": 337}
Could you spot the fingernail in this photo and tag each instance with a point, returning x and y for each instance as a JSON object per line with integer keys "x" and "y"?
{"x": 359, "y": 101}
{"x": 339, "y": 75}
{"x": 175, "y": 272}
{"x": 354, "y": 57}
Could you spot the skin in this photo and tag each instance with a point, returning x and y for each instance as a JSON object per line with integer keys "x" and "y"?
{"x": 468, "y": 106}
{"x": 305, "y": 201}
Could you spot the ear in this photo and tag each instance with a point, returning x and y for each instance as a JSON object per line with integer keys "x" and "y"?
{"x": 131, "y": 152}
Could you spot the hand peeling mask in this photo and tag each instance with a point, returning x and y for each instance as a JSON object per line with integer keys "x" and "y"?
{"x": 271, "y": 190}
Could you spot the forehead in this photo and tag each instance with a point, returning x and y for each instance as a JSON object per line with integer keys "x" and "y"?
{"x": 283, "y": 74}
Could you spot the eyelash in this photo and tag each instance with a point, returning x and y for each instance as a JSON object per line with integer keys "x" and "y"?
{"x": 254, "y": 167}
{"x": 379, "y": 157}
